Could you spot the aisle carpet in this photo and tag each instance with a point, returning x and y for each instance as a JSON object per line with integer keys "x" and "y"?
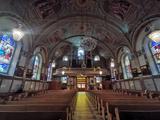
{"x": 84, "y": 109}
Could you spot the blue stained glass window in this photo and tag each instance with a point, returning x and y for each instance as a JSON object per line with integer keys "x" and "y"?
{"x": 155, "y": 50}
{"x": 7, "y": 48}
{"x": 37, "y": 65}
{"x": 153, "y": 43}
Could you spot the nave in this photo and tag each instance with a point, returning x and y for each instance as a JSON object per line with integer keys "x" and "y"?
{"x": 76, "y": 105}
{"x": 79, "y": 59}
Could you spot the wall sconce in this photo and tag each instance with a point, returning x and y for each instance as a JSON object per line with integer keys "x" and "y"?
{"x": 100, "y": 72}
{"x": 65, "y": 58}
{"x": 96, "y": 58}
{"x": 63, "y": 72}
{"x": 112, "y": 64}
{"x": 53, "y": 65}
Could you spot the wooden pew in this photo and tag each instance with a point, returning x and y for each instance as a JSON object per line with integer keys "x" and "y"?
{"x": 58, "y": 111}
{"x": 57, "y": 105}
{"x": 117, "y": 110}
{"x": 12, "y": 96}
{"x": 120, "y": 102}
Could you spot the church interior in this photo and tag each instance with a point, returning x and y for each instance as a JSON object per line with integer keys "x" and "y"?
{"x": 79, "y": 59}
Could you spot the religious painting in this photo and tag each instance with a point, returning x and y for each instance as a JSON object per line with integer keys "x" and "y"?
{"x": 7, "y": 48}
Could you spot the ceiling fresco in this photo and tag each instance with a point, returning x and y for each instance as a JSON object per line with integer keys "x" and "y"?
{"x": 57, "y": 24}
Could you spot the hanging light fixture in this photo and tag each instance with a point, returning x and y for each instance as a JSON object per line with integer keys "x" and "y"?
{"x": 88, "y": 43}
{"x": 155, "y": 36}
{"x": 65, "y": 58}
{"x": 18, "y": 34}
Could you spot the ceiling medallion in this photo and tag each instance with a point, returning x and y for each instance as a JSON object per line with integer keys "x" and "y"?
{"x": 45, "y": 8}
{"x": 118, "y": 8}
{"x": 82, "y": 3}
{"x": 88, "y": 43}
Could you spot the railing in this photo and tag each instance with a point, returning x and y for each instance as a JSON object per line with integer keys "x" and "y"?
{"x": 151, "y": 83}
{"x": 75, "y": 71}
{"x": 13, "y": 84}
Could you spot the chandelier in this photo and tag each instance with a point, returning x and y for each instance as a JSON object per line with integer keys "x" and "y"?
{"x": 88, "y": 43}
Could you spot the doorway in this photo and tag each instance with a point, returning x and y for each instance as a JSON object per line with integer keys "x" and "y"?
{"x": 81, "y": 83}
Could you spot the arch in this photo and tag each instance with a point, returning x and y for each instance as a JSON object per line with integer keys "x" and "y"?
{"x": 151, "y": 59}
{"x": 124, "y": 59}
{"x": 140, "y": 27}
{"x": 8, "y": 22}
{"x": 143, "y": 45}
{"x": 114, "y": 33}
{"x": 39, "y": 53}
{"x": 108, "y": 48}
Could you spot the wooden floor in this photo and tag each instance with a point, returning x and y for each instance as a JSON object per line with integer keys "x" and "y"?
{"x": 84, "y": 109}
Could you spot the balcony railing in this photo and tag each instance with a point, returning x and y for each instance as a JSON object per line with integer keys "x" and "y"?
{"x": 84, "y": 71}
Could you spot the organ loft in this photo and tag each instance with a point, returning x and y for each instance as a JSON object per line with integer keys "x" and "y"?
{"x": 79, "y": 60}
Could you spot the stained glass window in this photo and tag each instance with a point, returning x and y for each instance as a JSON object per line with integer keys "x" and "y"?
{"x": 64, "y": 79}
{"x": 49, "y": 76}
{"x": 7, "y": 48}
{"x": 80, "y": 53}
{"x": 37, "y": 67}
{"x": 128, "y": 67}
{"x": 155, "y": 48}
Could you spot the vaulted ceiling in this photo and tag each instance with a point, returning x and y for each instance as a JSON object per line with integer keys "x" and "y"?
{"x": 111, "y": 22}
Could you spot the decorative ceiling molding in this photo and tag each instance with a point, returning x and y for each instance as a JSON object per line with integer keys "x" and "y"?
{"x": 113, "y": 22}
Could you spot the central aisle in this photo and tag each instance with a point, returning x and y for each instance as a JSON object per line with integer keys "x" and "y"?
{"x": 84, "y": 109}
